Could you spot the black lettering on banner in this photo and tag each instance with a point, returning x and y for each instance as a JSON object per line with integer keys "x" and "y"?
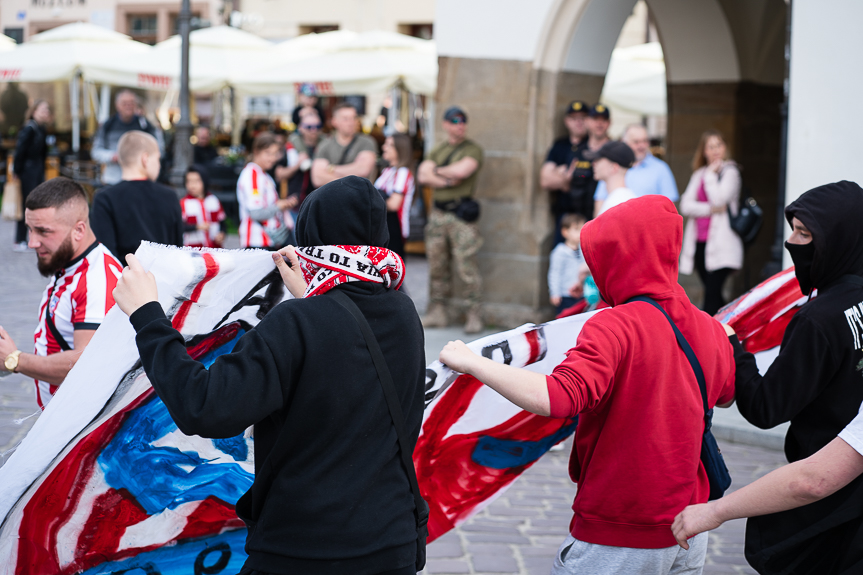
{"x": 219, "y": 565}
{"x": 431, "y": 377}
{"x": 147, "y": 568}
{"x": 345, "y": 260}
{"x": 334, "y": 258}
{"x": 322, "y": 276}
{"x": 310, "y": 252}
{"x": 320, "y": 255}
{"x": 503, "y": 346}
{"x": 361, "y": 267}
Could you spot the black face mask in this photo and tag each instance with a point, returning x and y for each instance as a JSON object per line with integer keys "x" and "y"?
{"x": 802, "y": 256}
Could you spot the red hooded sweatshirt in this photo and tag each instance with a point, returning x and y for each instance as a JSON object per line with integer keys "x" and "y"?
{"x": 638, "y": 443}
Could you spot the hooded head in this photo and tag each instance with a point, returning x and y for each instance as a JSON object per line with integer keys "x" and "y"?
{"x": 632, "y": 249}
{"x": 348, "y": 211}
{"x": 832, "y": 214}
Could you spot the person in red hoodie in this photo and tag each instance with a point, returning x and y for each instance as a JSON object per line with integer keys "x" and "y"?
{"x": 637, "y": 448}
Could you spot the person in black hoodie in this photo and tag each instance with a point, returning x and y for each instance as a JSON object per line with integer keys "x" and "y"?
{"x": 816, "y": 383}
{"x": 330, "y": 494}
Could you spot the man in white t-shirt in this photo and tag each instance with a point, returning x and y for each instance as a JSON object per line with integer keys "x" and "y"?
{"x": 803, "y": 482}
{"x": 610, "y": 164}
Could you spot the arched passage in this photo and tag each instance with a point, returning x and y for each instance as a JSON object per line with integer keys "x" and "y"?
{"x": 724, "y": 65}
{"x": 724, "y": 71}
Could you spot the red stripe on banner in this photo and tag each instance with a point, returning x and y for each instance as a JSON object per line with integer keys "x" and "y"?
{"x": 55, "y": 500}
{"x": 450, "y": 481}
{"x": 212, "y": 516}
{"x": 210, "y": 273}
{"x": 535, "y": 347}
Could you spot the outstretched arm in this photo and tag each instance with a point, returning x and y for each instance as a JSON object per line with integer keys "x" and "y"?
{"x": 524, "y": 388}
{"x": 801, "y": 483}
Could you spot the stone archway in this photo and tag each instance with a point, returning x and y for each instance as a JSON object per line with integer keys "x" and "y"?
{"x": 724, "y": 62}
{"x": 724, "y": 66}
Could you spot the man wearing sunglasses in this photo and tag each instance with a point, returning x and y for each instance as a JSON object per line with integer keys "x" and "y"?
{"x": 296, "y": 165}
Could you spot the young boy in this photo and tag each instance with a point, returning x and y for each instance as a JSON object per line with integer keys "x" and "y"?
{"x": 565, "y": 263}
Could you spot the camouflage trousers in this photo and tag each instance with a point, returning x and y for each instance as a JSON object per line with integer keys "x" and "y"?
{"x": 452, "y": 240}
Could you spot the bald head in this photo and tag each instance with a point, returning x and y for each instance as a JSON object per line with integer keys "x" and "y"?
{"x": 635, "y": 136}
{"x": 138, "y": 155}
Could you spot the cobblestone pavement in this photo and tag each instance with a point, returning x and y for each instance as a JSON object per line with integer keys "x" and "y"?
{"x": 517, "y": 534}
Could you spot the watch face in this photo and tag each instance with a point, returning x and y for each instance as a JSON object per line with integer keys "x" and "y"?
{"x": 11, "y": 362}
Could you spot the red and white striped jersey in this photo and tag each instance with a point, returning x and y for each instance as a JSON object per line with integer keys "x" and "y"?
{"x": 256, "y": 190}
{"x": 399, "y": 181}
{"x": 196, "y": 211}
{"x": 78, "y": 297}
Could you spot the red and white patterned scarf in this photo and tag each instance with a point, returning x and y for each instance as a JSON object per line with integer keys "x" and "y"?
{"x": 325, "y": 267}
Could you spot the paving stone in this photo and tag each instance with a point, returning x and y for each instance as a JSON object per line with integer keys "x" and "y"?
{"x": 498, "y": 563}
{"x": 446, "y": 566}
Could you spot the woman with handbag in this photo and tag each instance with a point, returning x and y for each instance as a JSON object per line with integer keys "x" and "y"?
{"x": 710, "y": 245}
{"x": 29, "y": 162}
{"x": 396, "y": 185}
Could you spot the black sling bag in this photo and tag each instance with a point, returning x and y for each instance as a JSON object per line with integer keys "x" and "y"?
{"x": 422, "y": 510}
{"x": 711, "y": 457}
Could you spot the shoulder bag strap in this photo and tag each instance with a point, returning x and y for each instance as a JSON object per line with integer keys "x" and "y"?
{"x": 687, "y": 349}
{"x": 391, "y": 397}
{"x": 453, "y": 153}
{"x": 346, "y": 151}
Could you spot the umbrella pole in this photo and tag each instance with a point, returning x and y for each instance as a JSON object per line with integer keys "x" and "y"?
{"x": 105, "y": 104}
{"x": 74, "y": 93}
{"x": 182, "y": 142}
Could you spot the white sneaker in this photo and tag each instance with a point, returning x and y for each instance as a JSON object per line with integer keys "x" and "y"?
{"x": 20, "y": 247}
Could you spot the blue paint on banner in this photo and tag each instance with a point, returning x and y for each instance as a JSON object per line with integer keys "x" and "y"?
{"x": 220, "y": 554}
{"x": 508, "y": 453}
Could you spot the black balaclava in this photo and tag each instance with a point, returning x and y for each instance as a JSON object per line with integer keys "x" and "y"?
{"x": 348, "y": 211}
{"x": 833, "y": 214}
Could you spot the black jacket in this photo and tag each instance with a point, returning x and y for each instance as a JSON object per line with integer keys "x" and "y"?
{"x": 816, "y": 383}
{"x": 338, "y": 500}
{"x": 134, "y": 210}
{"x": 30, "y": 153}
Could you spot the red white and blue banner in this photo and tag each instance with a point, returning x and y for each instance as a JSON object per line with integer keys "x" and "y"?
{"x": 106, "y": 483}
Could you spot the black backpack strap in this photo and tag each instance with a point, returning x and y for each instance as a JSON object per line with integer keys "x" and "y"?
{"x": 687, "y": 349}
{"x": 392, "y": 400}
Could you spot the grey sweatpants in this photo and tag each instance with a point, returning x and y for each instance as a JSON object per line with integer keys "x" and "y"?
{"x": 579, "y": 558}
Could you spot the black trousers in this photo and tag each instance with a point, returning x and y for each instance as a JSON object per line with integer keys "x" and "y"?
{"x": 713, "y": 282}
{"x": 29, "y": 181}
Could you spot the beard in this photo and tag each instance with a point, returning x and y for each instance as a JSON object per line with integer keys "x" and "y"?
{"x": 57, "y": 260}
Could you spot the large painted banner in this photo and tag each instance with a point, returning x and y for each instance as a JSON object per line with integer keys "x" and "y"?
{"x": 106, "y": 483}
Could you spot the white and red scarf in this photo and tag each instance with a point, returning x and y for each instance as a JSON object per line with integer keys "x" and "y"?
{"x": 325, "y": 267}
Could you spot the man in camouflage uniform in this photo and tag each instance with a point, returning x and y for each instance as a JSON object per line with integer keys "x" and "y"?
{"x": 451, "y": 233}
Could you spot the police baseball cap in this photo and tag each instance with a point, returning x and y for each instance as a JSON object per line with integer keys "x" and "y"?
{"x": 617, "y": 152}
{"x": 599, "y": 111}
{"x": 455, "y": 115}
{"x": 577, "y": 106}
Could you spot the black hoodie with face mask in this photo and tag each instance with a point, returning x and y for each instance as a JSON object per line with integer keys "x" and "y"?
{"x": 330, "y": 495}
{"x": 816, "y": 383}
